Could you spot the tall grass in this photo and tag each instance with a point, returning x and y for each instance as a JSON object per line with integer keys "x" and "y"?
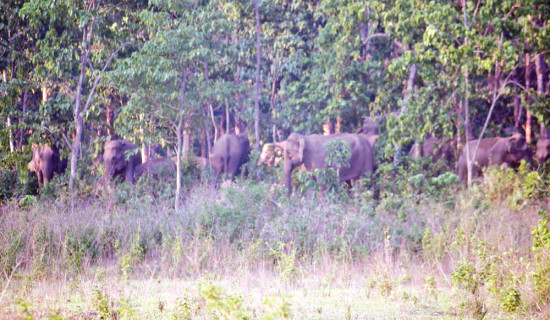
{"x": 480, "y": 249}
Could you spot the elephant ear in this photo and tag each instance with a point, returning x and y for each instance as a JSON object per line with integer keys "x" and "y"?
{"x": 301, "y": 147}
{"x": 513, "y": 143}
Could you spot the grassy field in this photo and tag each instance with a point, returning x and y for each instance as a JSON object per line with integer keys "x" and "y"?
{"x": 246, "y": 251}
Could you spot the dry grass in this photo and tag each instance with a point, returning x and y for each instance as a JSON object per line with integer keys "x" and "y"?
{"x": 317, "y": 257}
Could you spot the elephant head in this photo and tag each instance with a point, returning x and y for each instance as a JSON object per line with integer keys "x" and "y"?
{"x": 311, "y": 152}
{"x": 494, "y": 151}
{"x": 229, "y": 153}
{"x": 45, "y": 162}
{"x": 517, "y": 149}
{"x": 117, "y": 162}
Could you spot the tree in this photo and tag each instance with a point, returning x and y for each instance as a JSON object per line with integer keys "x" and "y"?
{"x": 80, "y": 36}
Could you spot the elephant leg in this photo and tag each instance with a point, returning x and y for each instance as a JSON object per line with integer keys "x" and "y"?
{"x": 40, "y": 177}
{"x": 228, "y": 168}
{"x": 129, "y": 174}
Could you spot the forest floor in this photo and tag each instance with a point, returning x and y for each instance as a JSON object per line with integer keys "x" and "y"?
{"x": 356, "y": 293}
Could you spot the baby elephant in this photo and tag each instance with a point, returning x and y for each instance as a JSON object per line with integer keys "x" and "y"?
{"x": 543, "y": 150}
{"x": 118, "y": 162}
{"x": 229, "y": 153}
{"x": 45, "y": 162}
{"x": 494, "y": 151}
{"x": 161, "y": 168}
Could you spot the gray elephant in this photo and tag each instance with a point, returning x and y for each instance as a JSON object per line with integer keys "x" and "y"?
{"x": 201, "y": 162}
{"x": 494, "y": 151}
{"x": 437, "y": 149}
{"x": 372, "y": 126}
{"x": 229, "y": 153}
{"x": 370, "y": 130}
{"x": 311, "y": 151}
{"x": 156, "y": 168}
{"x": 45, "y": 162}
{"x": 117, "y": 162}
{"x": 543, "y": 150}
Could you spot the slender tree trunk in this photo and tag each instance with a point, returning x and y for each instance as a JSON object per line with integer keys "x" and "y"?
{"x": 274, "y": 78}
{"x": 227, "y": 118}
{"x": 528, "y": 129}
{"x": 11, "y": 140}
{"x": 179, "y": 143}
{"x": 22, "y": 120}
{"x": 179, "y": 137}
{"x": 211, "y": 109}
{"x": 406, "y": 98}
{"x": 8, "y": 119}
{"x": 518, "y": 108}
{"x": 186, "y": 139}
{"x": 541, "y": 70}
{"x": 258, "y": 84}
{"x": 78, "y": 118}
{"x": 469, "y": 163}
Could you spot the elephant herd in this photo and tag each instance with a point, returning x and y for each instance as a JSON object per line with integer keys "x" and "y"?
{"x": 230, "y": 152}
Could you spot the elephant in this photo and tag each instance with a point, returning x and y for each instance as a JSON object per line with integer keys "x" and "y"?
{"x": 201, "y": 162}
{"x": 229, "y": 153}
{"x": 311, "y": 151}
{"x": 117, "y": 161}
{"x": 272, "y": 154}
{"x": 156, "y": 168}
{"x": 494, "y": 151}
{"x": 543, "y": 150}
{"x": 370, "y": 130}
{"x": 435, "y": 148}
{"x": 370, "y": 126}
{"x": 45, "y": 162}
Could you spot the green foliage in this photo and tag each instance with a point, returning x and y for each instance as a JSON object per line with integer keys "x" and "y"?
{"x": 103, "y": 306}
{"x": 338, "y": 153}
{"x": 285, "y": 256}
{"x": 137, "y": 251}
{"x": 518, "y": 189}
{"x": 78, "y": 248}
{"x": 277, "y": 308}
{"x": 511, "y": 300}
{"x": 222, "y": 305}
{"x": 466, "y": 277}
{"x": 541, "y": 249}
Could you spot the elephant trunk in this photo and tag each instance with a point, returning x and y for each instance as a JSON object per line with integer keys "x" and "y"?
{"x": 109, "y": 169}
{"x": 288, "y": 175}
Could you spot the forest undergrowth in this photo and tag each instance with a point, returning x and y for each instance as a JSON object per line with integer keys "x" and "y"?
{"x": 247, "y": 251}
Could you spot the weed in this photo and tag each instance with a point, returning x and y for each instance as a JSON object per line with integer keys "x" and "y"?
{"x": 135, "y": 255}
{"x": 103, "y": 306}
{"x": 285, "y": 255}
{"x": 224, "y": 306}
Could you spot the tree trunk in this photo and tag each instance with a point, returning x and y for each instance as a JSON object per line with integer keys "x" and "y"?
{"x": 518, "y": 108}
{"x": 78, "y": 118}
{"x": 179, "y": 138}
{"x": 406, "y": 98}
{"x": 8, "y": 119}
{"x": 227, "y": 118}
{"x": 528, "y": 129}
{"x": 186, "y": 140}
{"x": 258, "y": 84}
{"x": 22, "y": 120}
{"x": 10, "y": 133}
{"x": 541, "y": 70}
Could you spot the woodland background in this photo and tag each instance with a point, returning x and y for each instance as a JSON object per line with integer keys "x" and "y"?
{"x": 182, "y": 73}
